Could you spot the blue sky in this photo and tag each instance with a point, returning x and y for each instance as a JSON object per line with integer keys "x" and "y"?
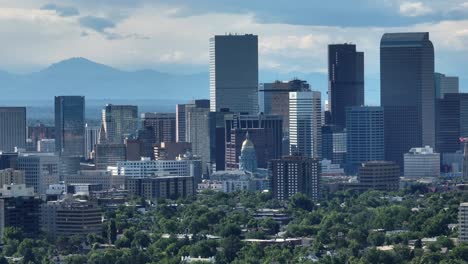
{"x": 172, "y": 35}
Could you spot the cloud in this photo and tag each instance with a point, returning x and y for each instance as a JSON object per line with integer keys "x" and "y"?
{"x": 98, "y": 24}
{"x": 414, "y": 9}
{"x": 64, "y": 11}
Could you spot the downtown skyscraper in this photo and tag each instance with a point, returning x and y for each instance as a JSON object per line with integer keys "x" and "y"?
{"x": 119, "y": 122}
{"x": 70, "y": 125}
{"x": 234, "y": 73}
{"x": 12, "y": 128}
{"x": 407, "y": 92}
{"x": 345, "y": 80}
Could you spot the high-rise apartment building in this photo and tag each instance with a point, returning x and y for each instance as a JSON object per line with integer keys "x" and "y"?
{"x": 70, "y": 125}
{"x": 295, "y": 174}
{"x": 305, "y": 122}
{"x": 119, "y": 122}
{"x": 445, "y": 84}
{"x": 234, "y": 73}
{"x": 345, "y": 80}
{"x": 12, "y": 128}
{"x": 407, "y": 92}
{"x": 365, "y": 135}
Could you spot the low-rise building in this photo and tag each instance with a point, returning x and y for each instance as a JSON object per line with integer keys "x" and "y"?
{"x": 102, "y": 177}
{"x": 422, "y": 163}
{"x": 463, "y": 223}
{"x": 163, "y": 187}
{"x": 71, "y": 216}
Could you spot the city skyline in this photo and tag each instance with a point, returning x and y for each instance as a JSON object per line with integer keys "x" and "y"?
{"x": 286, "y": 43}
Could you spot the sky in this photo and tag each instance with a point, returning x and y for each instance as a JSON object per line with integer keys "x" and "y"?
{"x": 172, "y": 35}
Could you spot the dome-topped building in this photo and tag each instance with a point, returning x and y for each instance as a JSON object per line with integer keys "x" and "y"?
{"x": 248, "y": 159}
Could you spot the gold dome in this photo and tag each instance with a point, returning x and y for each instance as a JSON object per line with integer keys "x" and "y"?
{"x": 247, "y": 143}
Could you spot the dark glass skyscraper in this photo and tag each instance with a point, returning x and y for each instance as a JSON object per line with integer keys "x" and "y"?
{"x": 12, "y": 128}
{"x": 234, "y": 73}
{"x": 345, "y": 80}
{"x": 70, "y": 125}
{"x": 407, "y": 92}
{"x": 451, "y": 121}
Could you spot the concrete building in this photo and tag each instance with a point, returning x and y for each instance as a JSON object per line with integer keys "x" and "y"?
{"x": 334, "y": 146}
{"x": 40, "y": 131}
{"x": 200, "y": 131}
{"x": 152, "y": 168}
{"x": 70, "y": 217}
{"x": 345, "y": 81}
{"x": 445, "y": 84}
{"x": 365, "y": 136}
{"x": 163, "y": 187}
{"x": 11, "y": 176}
{"x": 70, "y": 125}
{"x": 101, "y": 177}
{"x": 91, "y": 139}
{"x": 171, "y": 150}
{"x": 19, "y": 208}
{"x": 463, "y": 223}
{"x": 12, "y": 128}
{"x": 40, "y": 170}
{"x": 119, "y": 122}
{"x": 234, "y": 73}
{"x": 295, "y": 174}
{"x": 305, "y": 122}
{"x": 163, "y": 126}
{"x": 133, "y": 149}
{"x": 46, "y": 145}
{"x": 8, "y": 160}
{"x": 379, "y": 175}
{"x": 407, "y": 92}
{"x": 180, "y": 123}
{"x": 274, "y": 98}
{"x": 422, "y": 163}
{"x": 109, "y": 155}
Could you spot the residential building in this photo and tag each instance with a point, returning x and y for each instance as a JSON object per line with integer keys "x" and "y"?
{"x": 379, "y": 175}
{"x": 164, "y": 187}
{"x": 11, "y": 176}
{"x": 152, "y": 168}
{"x": 295, "y": 174}
{"x": 463, "y": 223}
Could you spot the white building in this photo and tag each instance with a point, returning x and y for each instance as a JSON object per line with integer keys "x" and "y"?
{"x": 147, "y": 168}
{"x": 421, "y": 163}
{"x": 40, "y": 170}
{"x": 46, "y": 145}
{"x": 305, "y": 122}
{"x": 463, "y": 223}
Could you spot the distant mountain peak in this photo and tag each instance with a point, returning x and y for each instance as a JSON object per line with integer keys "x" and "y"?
{"x": 78, "y": 64}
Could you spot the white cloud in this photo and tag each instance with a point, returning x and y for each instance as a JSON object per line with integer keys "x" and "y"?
{"x": 414, "y": 9}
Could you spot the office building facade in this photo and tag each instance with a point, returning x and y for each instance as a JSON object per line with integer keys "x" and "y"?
{"x": 70, "y": 125}
{"x": 12, "y": 128}
{"x": 200, "y": 132}
{"x": 109, "y": 155}
{"x": 40, "y": 170}
{"x": 445, "y": 84}
{"x": 365, "y": 135}
{"x": 91, "y": 139}
{"x": 119, "y": 122}
{"x": 451, "y": 121}
{"x": 234, "y": 73}
{"x": 305, "y": 122}
{"x": 379, "y": 175}
{"x": 407, "y": 92}
{"x": 422, "y": 163}
{"x": 152, "y": 168}
{"x": 345, "y": 81}
{"x": 166, "y": 187}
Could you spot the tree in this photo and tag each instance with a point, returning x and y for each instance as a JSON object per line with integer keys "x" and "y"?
{"x": 301, "y": 201}
{"x": 112, "y": 231}
{"x": 12, "y": 233}
{"x": 76, "y": 259}
{"x": 230, "y": 247}
{"x": 141, "y": 240}
{"x": 376, "y": 239}
{"x": 230, "y": 229}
